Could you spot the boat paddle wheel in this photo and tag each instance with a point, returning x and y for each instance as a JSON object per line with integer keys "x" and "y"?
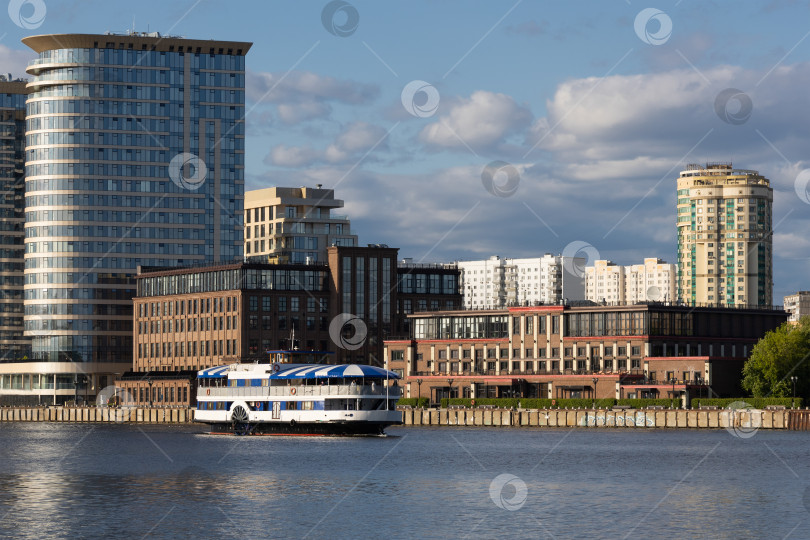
{"x": 239, "y": 421}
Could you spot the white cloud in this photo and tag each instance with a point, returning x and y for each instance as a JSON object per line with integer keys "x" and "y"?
{"x": 15, "y": 62}
{"x": 484, "y": 120}
{"x": 303, "y": 95}
{"x": 291, "y": 156}
{"x": 294, "y": 113}
{"x": 350, "y": 145}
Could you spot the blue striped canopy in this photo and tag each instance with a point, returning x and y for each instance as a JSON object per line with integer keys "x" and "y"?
{"x": 309, "y": 371}
{"x": 322, "y": 371}
{"x": 213, "y": 373}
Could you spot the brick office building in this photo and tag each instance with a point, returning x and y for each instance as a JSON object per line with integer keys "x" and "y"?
{"x": 188, "y": 319}
{"x": 633, "y": 351}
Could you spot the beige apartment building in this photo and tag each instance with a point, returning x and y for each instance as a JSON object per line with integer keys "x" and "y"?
{"x": 725, "y": 253}
{"x": 797, "y": 305}
{"x": 652, "y": 281}
{"x": 294, "y": 225}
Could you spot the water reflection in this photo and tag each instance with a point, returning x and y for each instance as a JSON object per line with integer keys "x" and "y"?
{"x": 84, "y": 481}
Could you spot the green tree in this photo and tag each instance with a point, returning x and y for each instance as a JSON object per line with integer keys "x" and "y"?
{"x": 780, "y": 354}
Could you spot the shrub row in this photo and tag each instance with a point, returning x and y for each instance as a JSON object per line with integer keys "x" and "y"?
{"x": 414, "y": 402}
{"x": 756, "y": 403}
{"x": 538, "y": 403}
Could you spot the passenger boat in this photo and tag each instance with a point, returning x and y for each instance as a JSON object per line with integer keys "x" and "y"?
{"x": 292, "y": 395}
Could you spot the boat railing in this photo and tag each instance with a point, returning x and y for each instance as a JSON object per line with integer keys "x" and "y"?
{"x": 310, "y": 390}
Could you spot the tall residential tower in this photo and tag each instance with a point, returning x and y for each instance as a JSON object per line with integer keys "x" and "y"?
{"x": 134, "y": 156}
{"x": 724, "y": 236}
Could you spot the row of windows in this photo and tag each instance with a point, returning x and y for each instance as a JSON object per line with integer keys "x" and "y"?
{"x": 240, "y": 278}
{"x": 313, "y": 304}
{"x": 134, "y": 107}
{"x": 91, "y": 264}
{"x": 74, "y": 308}
{"x": 128, "y": 216}
{"x": 138, "y": 75}
{"x": 130, "y": 57}
{"x": 170, "y": 308}
{"x": 105, "y": 248}
{"x": 541, "y": 366}
{"x": 82, "y": 325}
{"x": 104, "y": 138}
{"x": 221, "y": 322}
{"x": 493, "y": 327}
{"x": 422, "y": 283}
{"x": 160, "y": 394}
{"x": 103, "y": 231}
{"x": 213, "y": 347}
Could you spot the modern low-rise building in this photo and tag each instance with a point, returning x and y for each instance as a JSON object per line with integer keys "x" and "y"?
{"x": 797, "y": 305}
{"x": 294, "y": 225}
{"x": 631, "y": 351}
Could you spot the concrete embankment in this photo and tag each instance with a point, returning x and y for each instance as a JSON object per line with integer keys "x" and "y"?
{"x": 97, "y": 414}
{"x": 732, "y": 419}
{"x": 743, "y": 420}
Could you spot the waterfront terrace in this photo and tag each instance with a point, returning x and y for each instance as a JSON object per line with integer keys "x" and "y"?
{"x": 651, "y": 350}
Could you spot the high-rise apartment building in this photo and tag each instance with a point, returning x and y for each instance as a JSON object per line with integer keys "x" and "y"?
{"x": 724, "y": 236}
{"x": 14, "y": 347}
{"x": 495, "y": 283}
{"x": 134, "y": 156}
{"x": 652, "y": 281}
{"x": 294, "y": 225}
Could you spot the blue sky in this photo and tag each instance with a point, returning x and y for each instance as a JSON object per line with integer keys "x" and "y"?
{"x": 595, "y": 110}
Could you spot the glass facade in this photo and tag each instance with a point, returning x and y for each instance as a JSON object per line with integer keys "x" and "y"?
{"x": 282, "y": 279}
{"x": 134, "y": 156}
{"x": 13, "y": 346}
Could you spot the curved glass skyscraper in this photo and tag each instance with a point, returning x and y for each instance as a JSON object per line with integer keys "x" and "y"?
{"x": 134, "y": 156}
{"x": 13, "y": 346}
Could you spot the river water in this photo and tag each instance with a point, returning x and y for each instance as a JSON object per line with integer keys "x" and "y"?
{"x": 127, "y": 481}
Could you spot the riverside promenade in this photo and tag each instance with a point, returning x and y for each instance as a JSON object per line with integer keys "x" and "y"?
{"x": 736, "y": 419}
{"x": 147, "y": 415}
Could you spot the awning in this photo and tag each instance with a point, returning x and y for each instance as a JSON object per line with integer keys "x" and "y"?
{"x": 321, "y": 371}
{"x": 213, "y": 373}
{"x": 502, "y": 382}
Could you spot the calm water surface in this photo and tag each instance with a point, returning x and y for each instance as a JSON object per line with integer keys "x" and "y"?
{"x": 84, "y": 481}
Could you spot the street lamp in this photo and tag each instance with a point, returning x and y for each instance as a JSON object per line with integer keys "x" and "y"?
{"x": 595, "y": 380}
{"x": 150, "y": 383}
{"x": 794, "y": 378}
{"x": 418, "y": 390}
{"x": 449, "y": 388}
{"x": 672, "y": 397}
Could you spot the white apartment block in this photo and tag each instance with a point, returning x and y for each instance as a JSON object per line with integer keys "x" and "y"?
{"x": 495, "y": 283}
{"x": 652, "y": 281}
{"x": 798, "y": 305}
